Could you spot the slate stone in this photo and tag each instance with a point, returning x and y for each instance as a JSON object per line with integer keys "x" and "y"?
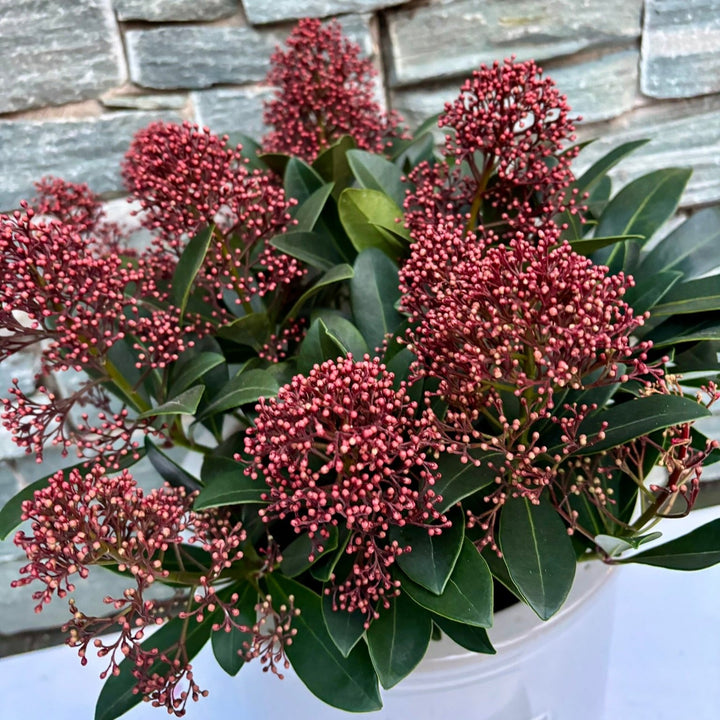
{"x": 259, "y": 12}
{"x": 174, "y": 10}
{"x": 87, "y": 150}
{"x": 196, "y": 56}
{"x": 236, "y": 110}
{"x": 165, "y": 101}
{"x": 453, "y": 38}
{"x": 57, "y": 52}
{"x": 681, "y": 48}
{"x": 683, "y": 134}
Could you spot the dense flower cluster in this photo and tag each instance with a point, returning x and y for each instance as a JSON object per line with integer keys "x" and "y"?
{"x": 324, "y": 90}
{"x": 508, "y": 127}
{"x": 342, "y": 447}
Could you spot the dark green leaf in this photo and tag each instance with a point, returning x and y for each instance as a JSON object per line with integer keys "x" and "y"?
{"x": 693, "y": 248}
{"x": 598, "y": 170}
{"x": 471, "y": 638}
{"x": 333, "y": 275}
{"x": 312, "y": 248}
{"x": 638, "y": 417}
{"x": 117, "y": 696}
{"x": 459, "y": 480}
{"x": 332, "y": 164}
{"x": 227, "y": 646}
{"x": 599, "y": 197}
{"x": 648, "y": 291}
{"x": 642, "y": 206}
{"x": 168, "y": 469}
{"x": 682, "y": 330}
{"x": 318, "y": 345}
{"x": 433, "y": 557}
{"x": 374, "y": 172}
{"x": 227, "y": 484}
{"x": 251, "y": 330}
{"x": 295, "y": 557}
{"x": 308, "y": 213}
{"x": 538, "y": 554}
{"x": 468, "y": 595}
{"x": 344, "y": 332}
{"x": 374, "y": 292}
{"x": 348, "y": 683}
{"x": 188, "y": 266}
{"x": 345, "y": 628}
{"x": 398, "y": 639}
{"x": 248, "y": 387}
{"x": 250, "y": 150}
{"x": 183, "y": 404}
{"x": 192, "y": 370}
{"x": 587, "y": 246}
{"x": 300, "y": 180}
{"x": 697, "y": 550}
{"x": 695, "y": 296}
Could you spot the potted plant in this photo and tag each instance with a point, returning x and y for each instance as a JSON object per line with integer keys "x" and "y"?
{"x": 413, "y": 385}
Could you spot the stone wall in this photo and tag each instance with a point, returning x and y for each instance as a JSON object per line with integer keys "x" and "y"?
{"x": 78, "y": 78}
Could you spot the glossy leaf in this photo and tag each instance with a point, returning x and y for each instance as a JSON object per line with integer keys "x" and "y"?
{"x": 188, "y": 266}
{"x": 336, "y": 274}
{"x": 248, "y": 387}
{"x": 168, "y": 469}
{"x": 192, "y": 370}
{"x": 344, "y": 332}
{"x": 701, "y": 295}
{"x": 683, "y": 330}
{"x": 468, "y": 595}
{"x": 638, "y": 417}
{"x": 471, "y": 638}
{"x": 643, "y": 205}
{"x": 185, "y": 403}
{"x": 538, "y": 554}
{"x": 344, "y": 628}
{"x": 587, "y": 246}
{"x": 398, "y": 639}
{"x": 227, "y": 484}
{"x": 295, "y": 557}
{"x": 251, "y": 330}
{"x": 433, "y": 557}
{"x": 697, "y": 550}
{"x": 459, "y": 480}
{"x": 318, "y": 345}
{"x": 332, "y": 164}
{"x": 598, "y": 170}
{"x": 648, "y": 291}
{"x": 374, "y": 172}
{"x": 348, "y": 683}
{"x": 228, "y": 646}
{"x": 374, "y": 293}
{"x": 117, "y": 696}
{"x": 312, "y": 248}
{"x": 307, "y": 213}
{"x": 300, "y": 180}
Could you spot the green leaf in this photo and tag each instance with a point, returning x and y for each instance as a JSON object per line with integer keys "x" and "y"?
{"x": 692, "y": 248}
{"x": 638, "y": 417}
{"x": 648, "y": 291}
{"x": 471, "y": 638}
{"x": 333, "y": 275}
{"x": 188, "y": 371}
{"x": 168, "y": 469}
{"x": 312, "y": 248}
{"x": 344, "y": 332}
{"x": 188, "y": 266}
{"x": 588, "y": 246}
{"x": 251, "y": 330}
{"x": 332, "y": 164}
{"x": 362, "y": 212}
{"x": 185, "y": 403}
{"x": 676, "y": 331}
{"x": 374, "y": 172}
{"x": 459, "y": 480}
{"x": 307, "y": 213}
{"x": 117, "y": 696}
{"x": 538, "y": 554}
{"x": 701, "y": 295}
{"x": 227, "y": 646}
{"x": 433, "y": 557}
{"x": 300, "y": 180}
{"x": 295, "y": 557}
{"x": 345, "y": 628}
{"x": 248, "y": 387}
{"x": 597, "y": 171}
{"x": 697, "y": 550}
{"x": 468, "y": 595}
{"x": 227, "y": 484}
{"x": 250, "y": 150}
{"x": 374, "y": 292}
{"x": 398, "y": 639}
{"x": 325, "y": 567}
{"x": 346, "y": 683}
{"x": 318, "y": 345}
{"x": 643, "y": 205}
{"x": 277, "y": 162}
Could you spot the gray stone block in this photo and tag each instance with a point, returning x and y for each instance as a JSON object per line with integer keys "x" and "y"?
{"x": 683, "y": 134}
{"x": 174, "y": 10}
{"x": 164, "y": 101}
{"x": 228, "y": 111}
{"x": 453, "y": 38}
{"x": 681, "y": 48}
{"x": 597, "y": 90}
{"x": 57, "y": 52}
{"x": 263, "y": 11}
{"x": 78, "y": 150}
{"x": 196, "y": 56}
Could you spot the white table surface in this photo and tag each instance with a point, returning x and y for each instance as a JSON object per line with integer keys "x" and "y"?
{"x": 664, "y": 663}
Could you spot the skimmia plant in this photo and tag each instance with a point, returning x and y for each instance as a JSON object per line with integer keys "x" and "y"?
{"x": 399, "y": 368}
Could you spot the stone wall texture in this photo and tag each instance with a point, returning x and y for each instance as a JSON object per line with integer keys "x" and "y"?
{"x": 79, "y": 77}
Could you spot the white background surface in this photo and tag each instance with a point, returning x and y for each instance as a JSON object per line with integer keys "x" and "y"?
{"x": 664, "y": 662}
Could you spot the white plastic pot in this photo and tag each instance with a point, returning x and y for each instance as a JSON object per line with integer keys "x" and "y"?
{"x": 554, "y": 670}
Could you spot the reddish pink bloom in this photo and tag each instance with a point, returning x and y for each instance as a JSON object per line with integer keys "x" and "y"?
{"x": 324, "y": 90}
{"x": 342, "y": 447}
